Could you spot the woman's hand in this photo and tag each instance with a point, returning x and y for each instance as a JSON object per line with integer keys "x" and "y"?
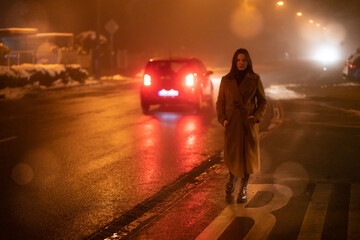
{"x": 225, "y": 123}
{"x": 253, "y": 119}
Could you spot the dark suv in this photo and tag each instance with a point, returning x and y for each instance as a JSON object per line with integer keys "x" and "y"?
{"x": 183, "y": 81}
{"x": 351, "y": 70}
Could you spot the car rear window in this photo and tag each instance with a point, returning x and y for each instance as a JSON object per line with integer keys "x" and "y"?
{"x": 166, "y": 66}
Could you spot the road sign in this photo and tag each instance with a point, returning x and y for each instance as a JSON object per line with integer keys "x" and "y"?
{"x": 111, "y": 26}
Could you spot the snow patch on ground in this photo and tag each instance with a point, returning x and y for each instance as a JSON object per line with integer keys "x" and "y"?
{"x": 348, "y": 84}
{"x": 25, "y": 70}
{"x": 278, "y": 92}
{"x": 14, "y": 93}
{"x": 20, "y": 92}
{"x": 118, "y": 78}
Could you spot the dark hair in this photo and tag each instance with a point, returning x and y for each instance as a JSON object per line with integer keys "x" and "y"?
{"x": 233, "y": 71}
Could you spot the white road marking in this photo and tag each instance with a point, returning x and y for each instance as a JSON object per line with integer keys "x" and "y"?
{"x": 313, "y": 222}
{"x": 354, "y": 213}
{"x": 345, "y": 110}
{"x": 7, "y": 139}
{"x": 332, "y": 124}
{"x": 316, "y": 212}
{"x": 264, "y": 220}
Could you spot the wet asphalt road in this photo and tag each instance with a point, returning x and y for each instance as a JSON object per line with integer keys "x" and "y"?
{"x": 308, "y": 187}
{"x": 72, "y": 160}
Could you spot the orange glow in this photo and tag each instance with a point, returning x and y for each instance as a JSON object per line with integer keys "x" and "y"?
{"x": 239, "y": 23}
{"x": 147, "y": 80}
{"x": 280, "y": 3}
{"x": 318, "y": 24}
{"x": 311, "y": 21}
{"x": 299, "y": 14}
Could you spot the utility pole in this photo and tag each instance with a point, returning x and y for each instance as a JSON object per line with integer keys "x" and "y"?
{"x": 97, "y": 40}
{"x": 112, "y": 27}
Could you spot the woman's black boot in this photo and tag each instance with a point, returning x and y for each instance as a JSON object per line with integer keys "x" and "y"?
{"x": 230, "y": 186}
{"x": 242, "y": 197}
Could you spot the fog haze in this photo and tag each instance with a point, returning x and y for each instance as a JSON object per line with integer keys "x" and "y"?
{"x": 209, "y": 29}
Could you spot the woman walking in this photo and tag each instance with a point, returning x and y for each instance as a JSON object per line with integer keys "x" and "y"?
{"x": 240, "y": 106}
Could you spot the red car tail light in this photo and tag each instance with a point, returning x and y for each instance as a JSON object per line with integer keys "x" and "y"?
{"x": 352, "y": 66}
{"x": 190, "y": 79}
{"x": 147, "y": 80}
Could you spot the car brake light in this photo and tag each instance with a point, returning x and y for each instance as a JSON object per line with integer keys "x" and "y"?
{"x": 147, "y": 80}
{"x": 352, "y": 66}
{"x": 190, "y": 80}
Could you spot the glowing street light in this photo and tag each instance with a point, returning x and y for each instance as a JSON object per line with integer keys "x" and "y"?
{"x": 299, "y": 14}
{"x": 311, "y": 21}
{"x": 280, "y": 3}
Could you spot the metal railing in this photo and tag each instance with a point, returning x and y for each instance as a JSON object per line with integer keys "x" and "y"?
{"x": 68, "y": 57}
{"x": 20, "y": 57}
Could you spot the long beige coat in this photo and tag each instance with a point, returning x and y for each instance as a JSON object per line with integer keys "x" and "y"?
{"x": 235, "y": 104}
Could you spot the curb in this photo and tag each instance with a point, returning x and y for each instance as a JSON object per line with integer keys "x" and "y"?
{"x": 136, "y": 219}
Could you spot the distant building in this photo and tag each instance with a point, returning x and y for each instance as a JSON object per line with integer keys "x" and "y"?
{"x": 27, "y": 45}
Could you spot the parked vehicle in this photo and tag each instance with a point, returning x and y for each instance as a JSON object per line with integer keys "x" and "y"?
{"x": 176, "y": 81}
{"x": 351, "y": 70}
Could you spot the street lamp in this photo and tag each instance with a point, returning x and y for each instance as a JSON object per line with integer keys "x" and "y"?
{"x": 280, "y": 3}
{"x": 299, "y": 14}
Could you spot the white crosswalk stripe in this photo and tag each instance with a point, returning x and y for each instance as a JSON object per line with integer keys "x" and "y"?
{"x": 264, "y": 220}
{"x": 316, "y": 212}
{"x": 312, "y": 224}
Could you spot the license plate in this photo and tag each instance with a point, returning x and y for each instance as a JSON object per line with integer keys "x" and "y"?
{"x": 168, "y": 93}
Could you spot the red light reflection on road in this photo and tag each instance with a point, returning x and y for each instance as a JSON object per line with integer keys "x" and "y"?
{"x": 189, "y": 130}
{"x": 168, "y": 145}
{"x": 149, "y": 140}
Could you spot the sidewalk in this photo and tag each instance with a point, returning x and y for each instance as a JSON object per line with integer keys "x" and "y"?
{"x": 190, "y": 216}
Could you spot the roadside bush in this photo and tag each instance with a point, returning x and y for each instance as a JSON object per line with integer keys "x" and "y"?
{"x": 75, "y": 72}
{"x": 45, "y": 75}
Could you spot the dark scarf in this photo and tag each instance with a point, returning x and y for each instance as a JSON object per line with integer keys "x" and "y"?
{"x": 239, "y": 76}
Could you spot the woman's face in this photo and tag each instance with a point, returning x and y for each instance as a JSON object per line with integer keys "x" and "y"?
{"x": 241, "y": 62}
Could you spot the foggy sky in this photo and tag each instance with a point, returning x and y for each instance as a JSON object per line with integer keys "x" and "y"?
{"x": 194, "y": 27}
